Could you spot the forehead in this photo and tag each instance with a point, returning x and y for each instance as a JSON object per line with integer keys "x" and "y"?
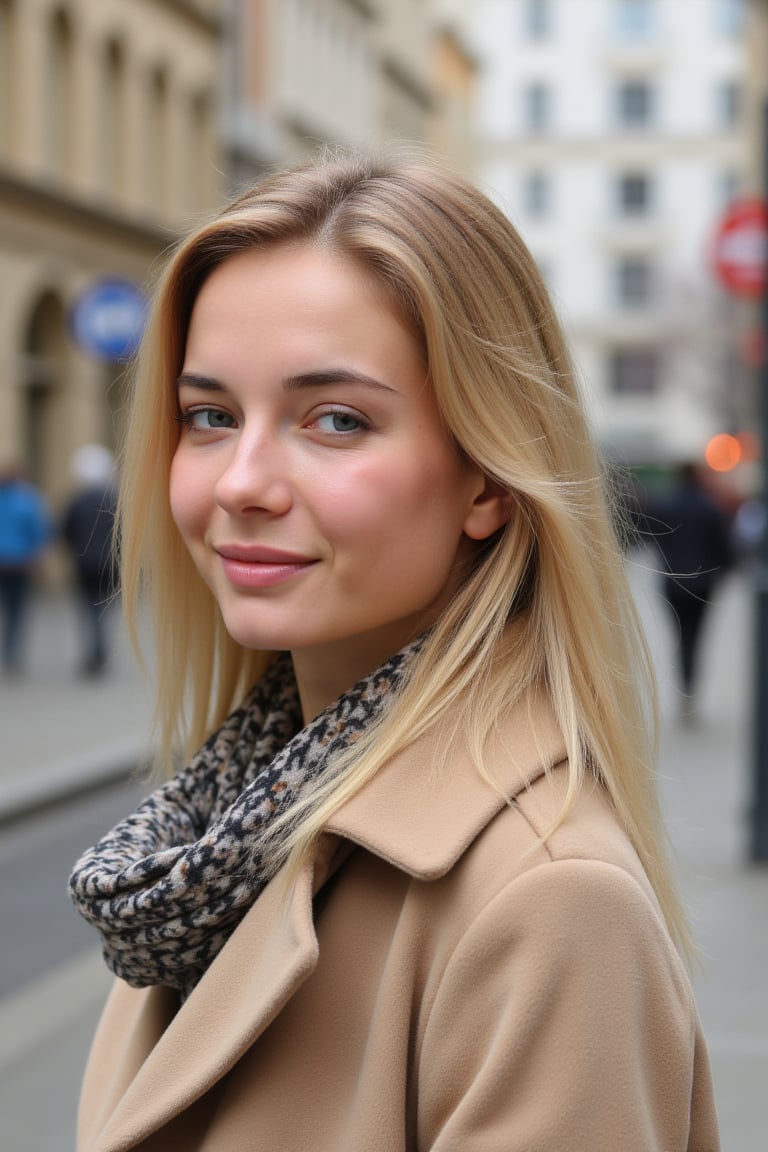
{"x": 293, "y": 309}
{"x": 305, "y": 270}
{"x": 299, "y": 267}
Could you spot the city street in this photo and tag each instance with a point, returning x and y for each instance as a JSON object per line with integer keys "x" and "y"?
{"x": 59, "y": 732}
{"x": 142, "y": 147}
{"x": 36, "y": 856}
{"x": 705, "y": 788}
{"x": 53, "y": 980}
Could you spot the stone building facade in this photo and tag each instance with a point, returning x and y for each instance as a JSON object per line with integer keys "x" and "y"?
{"x": 106, "y": 109}
{"x": 124, "y": 121}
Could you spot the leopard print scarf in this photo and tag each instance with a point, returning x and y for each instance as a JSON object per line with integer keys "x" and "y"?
{"x": 168, "y": 885}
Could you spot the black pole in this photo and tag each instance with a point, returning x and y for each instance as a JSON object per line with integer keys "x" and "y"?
{"x": 759, "y": 814}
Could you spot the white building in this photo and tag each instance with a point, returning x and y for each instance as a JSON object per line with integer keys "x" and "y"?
{"x": 611, "y": 131}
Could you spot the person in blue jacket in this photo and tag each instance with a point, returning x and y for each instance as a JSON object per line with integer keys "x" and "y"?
{"x": 25, "y": 530}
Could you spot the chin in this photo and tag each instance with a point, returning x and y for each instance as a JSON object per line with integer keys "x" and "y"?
{"x": 267, "y": 636}
{"x": 259, "y": 640}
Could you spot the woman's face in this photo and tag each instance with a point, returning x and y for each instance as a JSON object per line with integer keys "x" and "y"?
{"x": 313, "y": 482}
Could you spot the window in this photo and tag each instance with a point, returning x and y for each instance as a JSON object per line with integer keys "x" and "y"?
{"x": 731, "y": 17}
{"x": 729, "y": 103}
{"x": 198, "y": 153}
{"x": 59, "y": 110}
{"x": 538, "y": 19}
{"x": 634, "y": 194}
{"x": 156, "y": 141}
{"x": 634, "y": 282}
{"x": 635, "y": 104}
{"x": 538, "y": 107}
{"x": 7, "y": 64}
{"x": 537, "y": 194}
{"x": 633, "y": 19}
{"x": 634, "y": 371}
{"x": 112, "y": 117}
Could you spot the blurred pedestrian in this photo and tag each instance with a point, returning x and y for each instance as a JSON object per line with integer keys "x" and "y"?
{"x": 750, "y": 525}
{"x": 691, "y": 532}
{"x": 25, "y": 530}
{"x": 88, "y": 529}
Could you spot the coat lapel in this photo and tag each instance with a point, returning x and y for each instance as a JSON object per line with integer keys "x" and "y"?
{"x": 421, "y": 812}
{"x": 267, "y": 958}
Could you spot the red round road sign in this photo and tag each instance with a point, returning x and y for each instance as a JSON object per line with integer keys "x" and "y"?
{"x": 741, "y": 248}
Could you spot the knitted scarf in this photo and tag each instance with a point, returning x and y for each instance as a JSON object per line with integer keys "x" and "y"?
{"x": 168, "y": 885}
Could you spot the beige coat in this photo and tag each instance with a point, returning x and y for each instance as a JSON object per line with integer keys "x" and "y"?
{"x": 459, "y": 988}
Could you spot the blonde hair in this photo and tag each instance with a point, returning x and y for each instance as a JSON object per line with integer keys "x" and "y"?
{"x": 500, "y": 371}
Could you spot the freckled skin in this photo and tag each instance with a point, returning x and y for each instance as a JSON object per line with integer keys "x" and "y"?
{"x": 356, "y": 478}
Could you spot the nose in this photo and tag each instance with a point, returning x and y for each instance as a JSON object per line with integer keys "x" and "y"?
{"x": 255, "y": 478}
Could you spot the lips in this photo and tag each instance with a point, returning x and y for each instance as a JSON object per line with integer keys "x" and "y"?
{"x": 256, "y": 566}
{"x": 260, "y": 554}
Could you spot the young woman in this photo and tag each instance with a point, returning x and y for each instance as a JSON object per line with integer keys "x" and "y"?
{"x": 411, "y": 893}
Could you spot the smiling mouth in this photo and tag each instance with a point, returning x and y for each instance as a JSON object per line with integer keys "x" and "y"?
{"x": 261, "y": 567}
{"x": 260, "y": 554}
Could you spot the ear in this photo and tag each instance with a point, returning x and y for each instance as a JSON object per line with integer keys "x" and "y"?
{"x": 490, "y": 510}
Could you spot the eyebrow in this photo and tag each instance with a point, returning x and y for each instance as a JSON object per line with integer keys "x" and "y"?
{"x": 205, "y": 383}
{"x": 317, "y": 379}
{"x": 332, "y": 376}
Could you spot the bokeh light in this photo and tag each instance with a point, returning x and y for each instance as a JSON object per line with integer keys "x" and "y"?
{"x": 723, "y": 452}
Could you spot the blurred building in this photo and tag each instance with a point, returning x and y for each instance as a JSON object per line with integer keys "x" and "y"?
{"x": 757, "y": 90}
{"x": 454, "y": 63}
{"x": 107, "y": 149}
{"x": 121, "y": 121}
{"x": 304, "y": 72}
{"x": 613, "y": 133}
{"x": 359, "y": 73}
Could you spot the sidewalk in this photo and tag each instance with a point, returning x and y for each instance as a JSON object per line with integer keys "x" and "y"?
{"x": 58, "y": 732}
{"x": 62, "y": 733}
{"x": 706, "y": 790}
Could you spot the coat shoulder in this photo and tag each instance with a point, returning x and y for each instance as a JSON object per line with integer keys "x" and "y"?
{"x": 518, "y": 881}
{"x": 561, "y": 980}
{"x": 536, "y": 830}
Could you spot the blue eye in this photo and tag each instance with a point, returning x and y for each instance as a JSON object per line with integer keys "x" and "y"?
{"x": 341, "y": 422}
{"x": 207, "y": 419}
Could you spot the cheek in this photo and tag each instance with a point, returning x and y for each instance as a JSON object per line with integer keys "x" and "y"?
{"x": 383, "y": 503}
{"x": 359, "y": 499}
{"x": 188, "y": 494}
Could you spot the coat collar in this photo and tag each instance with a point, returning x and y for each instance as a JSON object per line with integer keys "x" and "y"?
{"x": 426, "y": 806}
{"x": 421, "y": 812}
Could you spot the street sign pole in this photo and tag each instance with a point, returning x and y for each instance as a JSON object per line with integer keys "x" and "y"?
{"x": 759, "y": 812}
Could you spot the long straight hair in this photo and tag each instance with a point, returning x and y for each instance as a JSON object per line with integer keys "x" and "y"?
{"x": 454, "y": 266}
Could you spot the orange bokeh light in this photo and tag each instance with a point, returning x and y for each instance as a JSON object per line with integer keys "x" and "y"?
{"x": 723, "y": 452}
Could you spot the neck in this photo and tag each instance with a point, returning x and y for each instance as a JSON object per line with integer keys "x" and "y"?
{"x": 325, "y": 673}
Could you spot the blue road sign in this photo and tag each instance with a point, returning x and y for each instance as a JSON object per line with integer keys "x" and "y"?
{"x": 108, "y": 320}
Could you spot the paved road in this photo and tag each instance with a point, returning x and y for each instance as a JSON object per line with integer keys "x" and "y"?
{"x": 40, "y": 929}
